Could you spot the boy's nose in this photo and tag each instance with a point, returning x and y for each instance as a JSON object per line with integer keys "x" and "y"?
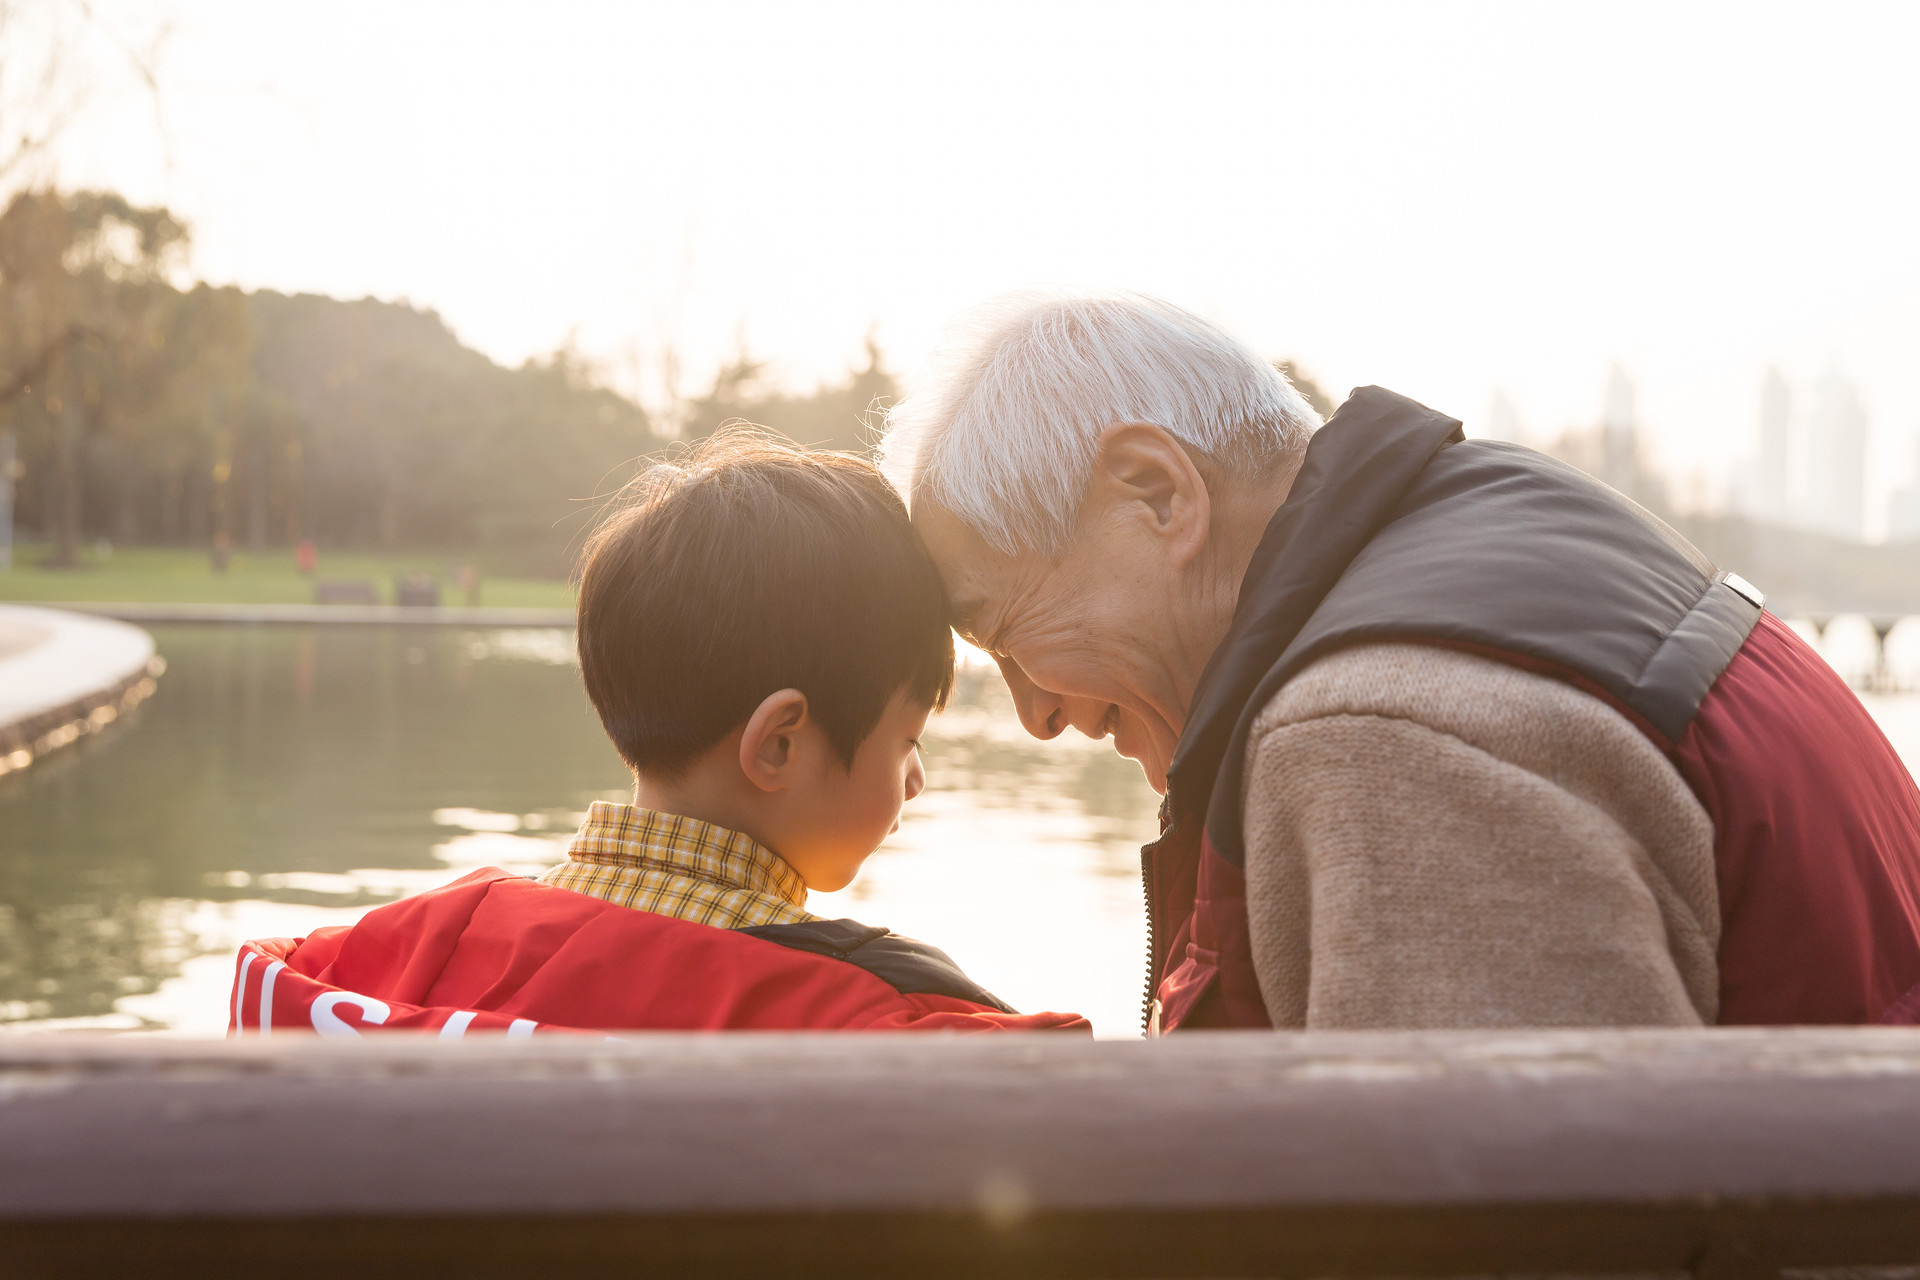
{"x": 916, "y": 776}
{"x": 1043, "y": 714}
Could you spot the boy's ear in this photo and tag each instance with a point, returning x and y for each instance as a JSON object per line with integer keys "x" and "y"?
{"x": 767, "y": 746}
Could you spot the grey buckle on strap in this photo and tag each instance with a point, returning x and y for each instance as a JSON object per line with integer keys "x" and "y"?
{"x": 1750, "y": 593}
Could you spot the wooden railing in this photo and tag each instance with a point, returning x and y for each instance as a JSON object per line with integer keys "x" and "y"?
{"x": 1723, "y": 1153}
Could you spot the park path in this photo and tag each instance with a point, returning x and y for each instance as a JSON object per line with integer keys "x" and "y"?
{"x": 63, "y": 676}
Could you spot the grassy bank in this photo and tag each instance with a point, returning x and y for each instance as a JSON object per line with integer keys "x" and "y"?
{"x": 172, "y": 575}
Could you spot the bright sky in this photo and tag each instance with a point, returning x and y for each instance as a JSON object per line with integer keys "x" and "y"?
{"x": 1452, "y": 200}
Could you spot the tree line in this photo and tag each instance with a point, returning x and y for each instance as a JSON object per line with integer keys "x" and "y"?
{"x": 144, "y": 412}
{"x": 140, "y": 411}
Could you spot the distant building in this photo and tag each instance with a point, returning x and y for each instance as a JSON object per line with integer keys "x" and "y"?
{"x": 1770, "y": 498}
{"x": 1811, "y": 467}
{"x": 1611, "y": 452}
{"x": 1903, "y": 514}
{"x": 1836, "y": 452}
{"x": 1619, "y": 434}
{"x": 1503, "y": 420}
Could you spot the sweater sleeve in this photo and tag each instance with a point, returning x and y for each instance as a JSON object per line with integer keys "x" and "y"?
{"x": 1436, "y": 839}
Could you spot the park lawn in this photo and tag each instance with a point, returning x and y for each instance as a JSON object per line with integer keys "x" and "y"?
{"x": 177, "y": 575}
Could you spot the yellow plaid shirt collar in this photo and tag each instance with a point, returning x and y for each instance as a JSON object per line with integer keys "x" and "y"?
{"x": 679, "y": 867}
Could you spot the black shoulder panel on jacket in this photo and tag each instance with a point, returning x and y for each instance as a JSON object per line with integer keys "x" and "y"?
{"x": 1399, "y": 529}
{"x": 1497, "y": 546}
{"x": 909, "y": 967}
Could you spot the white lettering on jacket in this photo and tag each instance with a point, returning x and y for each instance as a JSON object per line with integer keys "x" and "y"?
{"x": 266, "y": 997}
{"x": 240, "y": 992}
{"x": 456, "y": 1024}
{"x": 330, "y": 1024}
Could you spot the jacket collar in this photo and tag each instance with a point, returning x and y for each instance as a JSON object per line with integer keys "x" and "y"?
{"x": 1357, "y": 468}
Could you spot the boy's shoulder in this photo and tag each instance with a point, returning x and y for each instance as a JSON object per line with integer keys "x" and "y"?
{"x": 907, "y": 965}
{"x": 513, "y": 951}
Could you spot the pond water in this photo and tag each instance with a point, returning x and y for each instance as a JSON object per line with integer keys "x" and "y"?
{"x": 287, "y": 778}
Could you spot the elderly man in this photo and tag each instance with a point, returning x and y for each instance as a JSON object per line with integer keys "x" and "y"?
{"x": 1450, "y": 734}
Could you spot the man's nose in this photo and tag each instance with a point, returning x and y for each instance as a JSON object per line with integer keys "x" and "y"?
{"x": 1043, "y": 714}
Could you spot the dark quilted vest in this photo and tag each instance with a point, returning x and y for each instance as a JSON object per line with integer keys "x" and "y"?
{"x": 1399, "y": 529}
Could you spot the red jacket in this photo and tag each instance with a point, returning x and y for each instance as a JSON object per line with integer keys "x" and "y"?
{"x": 496, "y": 952}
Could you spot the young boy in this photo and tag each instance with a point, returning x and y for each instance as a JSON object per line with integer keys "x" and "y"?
{"x": 764, "y": 638}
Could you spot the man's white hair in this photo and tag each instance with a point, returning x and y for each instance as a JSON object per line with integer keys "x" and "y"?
{"x": 1003, "y": 426}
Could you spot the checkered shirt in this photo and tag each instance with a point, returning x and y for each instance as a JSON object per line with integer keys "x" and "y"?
{"x": 679, "y": 867}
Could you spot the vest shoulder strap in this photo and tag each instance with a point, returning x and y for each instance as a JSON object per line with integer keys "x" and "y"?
{"x": 1503, "y": 550}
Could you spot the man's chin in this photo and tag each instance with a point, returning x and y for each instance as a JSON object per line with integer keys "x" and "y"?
{"x": 1156, "y": 777}
{"x": 1137, "y": 746}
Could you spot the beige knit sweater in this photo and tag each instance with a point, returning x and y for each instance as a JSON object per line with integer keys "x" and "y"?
{"x": 1439, "y": 840}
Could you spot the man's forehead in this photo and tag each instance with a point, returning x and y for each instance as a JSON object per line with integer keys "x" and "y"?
{"x": 970, "y": 570}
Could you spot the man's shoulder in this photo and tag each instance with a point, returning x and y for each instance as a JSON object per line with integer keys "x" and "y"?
{"x": 1328, "y": 721}
{"x": 1489, "y": 702}
{"x": 1423, "y": 681}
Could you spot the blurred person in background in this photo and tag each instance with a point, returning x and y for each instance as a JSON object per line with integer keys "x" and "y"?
{"x": 1449, "y": 734}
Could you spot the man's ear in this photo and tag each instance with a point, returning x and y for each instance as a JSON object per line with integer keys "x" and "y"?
{"x": 1144, "y": 471}
{"x": 767, "y": 746}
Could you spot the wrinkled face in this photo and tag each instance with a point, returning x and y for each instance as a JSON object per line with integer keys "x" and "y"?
{"x": 1085, "y": 638}
{"x": 838, "y": 816}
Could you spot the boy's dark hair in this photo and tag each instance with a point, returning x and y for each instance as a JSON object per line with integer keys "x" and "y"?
{"x": 746, "y": 567}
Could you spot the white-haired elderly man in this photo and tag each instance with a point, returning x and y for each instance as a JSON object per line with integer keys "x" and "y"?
{"x": 1450, "y": 734}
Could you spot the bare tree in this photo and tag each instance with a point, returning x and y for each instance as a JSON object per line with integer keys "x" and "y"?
{"x": 49, "y": 73}
{"x": 39, "y": 95}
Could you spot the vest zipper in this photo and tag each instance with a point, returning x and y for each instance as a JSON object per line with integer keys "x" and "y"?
{"x": 1149, "y": 1006}
{"x": 1147, "y": 1002}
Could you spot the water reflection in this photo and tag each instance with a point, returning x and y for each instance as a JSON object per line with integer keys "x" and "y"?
{"x": 272, "y": 765}
{"x": 284, "y": 779}
{"x": 977, "y": 748}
